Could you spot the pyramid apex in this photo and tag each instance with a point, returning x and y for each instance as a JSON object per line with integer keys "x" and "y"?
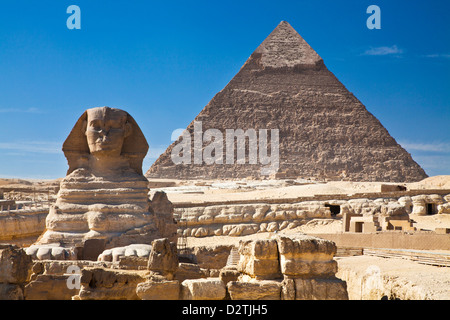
{"x": 284, "y": 47}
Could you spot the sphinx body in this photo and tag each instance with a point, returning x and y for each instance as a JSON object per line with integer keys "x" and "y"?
{"x": 104, "y": 195}
{"x": 90, "y": 206}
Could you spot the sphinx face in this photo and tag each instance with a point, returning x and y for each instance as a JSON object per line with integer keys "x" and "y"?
{"x": 106, "y": 130}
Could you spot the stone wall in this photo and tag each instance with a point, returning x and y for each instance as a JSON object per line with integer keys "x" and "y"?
{"x": 239, "y": 219}
{"x": 22, "y": 224}
{"x": 393, "y": 239}
{"x": 243, "y": 218}
{"x": 295, "y": 267}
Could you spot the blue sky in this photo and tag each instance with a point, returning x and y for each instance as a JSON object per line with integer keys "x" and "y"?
{"x": 163, "y": 62}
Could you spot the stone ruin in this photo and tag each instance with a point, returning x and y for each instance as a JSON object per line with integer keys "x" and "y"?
{"x": 359, "y": 213}
{"x": 295, "y": 267}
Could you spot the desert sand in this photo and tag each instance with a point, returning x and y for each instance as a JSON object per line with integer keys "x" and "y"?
{"x": 222, "y": 191}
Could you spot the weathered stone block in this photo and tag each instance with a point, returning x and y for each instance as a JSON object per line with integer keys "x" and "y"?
{"x": 49, "y": 287}
{"x": 158, "y": 290}
{"x": 109, "y": 284}
{"x": 203, "y": 289}
{"x": 133, "y": 263}
{"x": 320, "y": 289}
{"x": 259, "y": 259}
{"x": 132, "y": 250}
{"x": 15, "y": 264}
{"x": 212, "y": 257}
{"x": 288, "y": 289}
{"x": 163, "y": 210}
{"x": 306, "y": 256}
{"x": 254, "y": 290}
{"x": 10, "y": 291}
{"x": 163, "y": 258}
{"x": 229, "y": 274}
{"x": 189, "y": 271}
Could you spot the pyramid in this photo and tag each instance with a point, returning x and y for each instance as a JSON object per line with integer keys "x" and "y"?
{"x": 324, "y": 131}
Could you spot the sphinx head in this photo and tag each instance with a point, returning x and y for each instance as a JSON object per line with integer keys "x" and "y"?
{"x": 106, "y": 129}
{"x": 105, "y": 133}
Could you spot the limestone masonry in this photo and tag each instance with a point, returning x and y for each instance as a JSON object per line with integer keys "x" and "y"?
{"x": 324, "y": 130}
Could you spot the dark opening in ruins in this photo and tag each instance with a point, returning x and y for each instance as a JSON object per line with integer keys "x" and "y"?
{"x": 334, "y": 209}
{"x": 359, "y": 226}
{"x": 430, "y": 208}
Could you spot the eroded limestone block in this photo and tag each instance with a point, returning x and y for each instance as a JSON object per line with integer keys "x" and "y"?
{"x": 133, "y": 263}
{"x": 255, "y": 290}
{"x": 163, "y": 258}
{"x": 288, "y": 289}
{"x": 393, "y": 209}
{"x": 15, "y": 264}
{"x": 22, "y": 224}
{"x": 306, "y": 256}
{"x": 320, "y": 289}
{"x": 163, "y": 210}
{"x": 132, "y": 250}
{"x": 108, "y": 284}
{"x": 158, "y": 290}
{"x": 49, "y": 287}
{"x": 189, "y": 271}
{"x": 444, "y": 208}
{"x": 259, "y": 258}
{"x": 203, "y": 289}
{"x": 419, "y": 207}
{"x": 228, "y": 274}
{"x": 212, "y": 257}
{"x": 10, "y": 291}
{"x": 60, "y": 267}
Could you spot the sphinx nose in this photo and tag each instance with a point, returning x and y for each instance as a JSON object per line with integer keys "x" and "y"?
{"x": 104, "y": 131}
{"x": 103, "y": 135}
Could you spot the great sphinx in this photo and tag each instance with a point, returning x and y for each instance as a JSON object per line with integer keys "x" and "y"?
{"x": 104, "y": 195}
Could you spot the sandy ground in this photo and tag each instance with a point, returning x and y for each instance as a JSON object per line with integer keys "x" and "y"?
{"x": 431, "y": 279}
{"x": 431, "y": 222}
{"x": 215, "y": 190}
{"x": 222, "y": 191}
{"x": 276, "y": 190}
